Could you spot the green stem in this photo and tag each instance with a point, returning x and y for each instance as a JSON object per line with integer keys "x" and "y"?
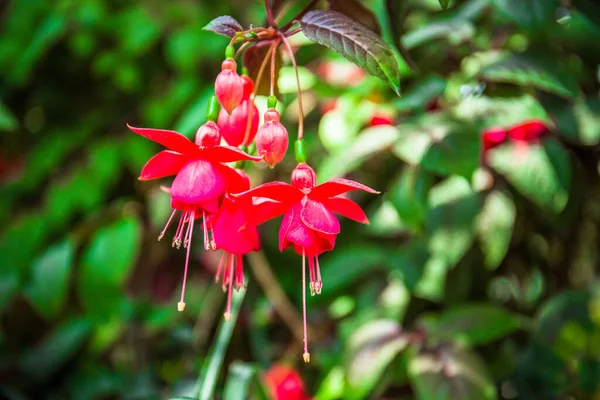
{"x": 207, "y": 380}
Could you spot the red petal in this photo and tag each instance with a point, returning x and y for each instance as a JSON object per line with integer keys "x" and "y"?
{"x": 234, "y": 182}
{"x": 347, "y": 208}
{"x": 316, "y": 216}
{"x": 338, "y": 186}
{"x": 163, "y": 164}
{"x": 278, "y": 191}
{"x": 225, "y": 154}
{"x": 265, "y": 209}
{"x": 170, "y": 139}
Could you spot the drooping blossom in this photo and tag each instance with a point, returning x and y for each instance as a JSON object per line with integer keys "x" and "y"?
{"x": 284, "y": 383}
{"x": 243, "y": 119}
{"x": 236, "y": 235}
{"x": 309, "y": 224}
{"x": 528, "y": 131}
{"x": 201, "y": 179}
{"x": 272, "y": 139}
{"x": 229, "y": 87}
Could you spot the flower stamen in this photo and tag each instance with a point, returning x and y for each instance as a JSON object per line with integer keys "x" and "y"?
{"x": 227, "y": 314}
{"x": 306, "y": 354}
{"x": 181, "y": 304}
{"x": 162, "y": 233}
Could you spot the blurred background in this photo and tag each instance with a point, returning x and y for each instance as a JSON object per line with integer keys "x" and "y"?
{"x": 476, "y": 279}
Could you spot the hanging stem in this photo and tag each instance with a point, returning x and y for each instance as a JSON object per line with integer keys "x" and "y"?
{"x": 242, "y": 48}
{"x": 273, "y": 53}
{"x": 270, "y": 13}
{"x": 300, "y": 108}
{"x": 244, "y": 33}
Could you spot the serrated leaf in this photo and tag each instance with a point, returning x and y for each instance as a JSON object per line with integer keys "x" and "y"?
{"x": 106, "y": 264}
{"x": 534, "y": 70}
{"x": 224, "y": 25}
{"x": 495, "y": 227}
{"x": 532, "y": 15}
{"x": 474, "y": 324}
{"x": 450, "y": 374}
{"x": 372, "y": 348}
{"x": 371, "y": 141}
{"x": 47, "y": 289}
{"x": 355, "y": 42}
{"x": 541, "y": 173}
{"x": 439, "y": 144}
{"x": 355, "y": 10}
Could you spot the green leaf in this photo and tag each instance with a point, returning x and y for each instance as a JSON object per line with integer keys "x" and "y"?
{"x": 541, "y": 173}
{"x": 475, "y": 324}
{"x": 444, "y": 3}
{"x": 455, "y": 30}
{"x": 224, "y": 25}
{"x": 439, "y": 144}
{"x": 48, "y": 288}
{"x": 534, "y": 70}
{"x": 532, "y": 15}
{"x": 568, "y": 306}
{"x": 417, "y": 98}
{"x": 332, "y": 387}
{"x": 450, "y": 373}
{"x": 409, "y": 196}
{"x": 495, "y": 227}
{"x": 578, "y": 123}
{"x": 106, "y": 264}
{"x": 355, "y": 42}
{"x": 347, "y": 264}
{"x": 8, "y": 122}
{"x": 209, "y": 374}
{"x": 371, "y": 348}
{"x": 504, "y": 112}
{"x": 450, "y": 222}
{"x": 370, "y": 142}
{"x": 239, "y": 381}
{"x": 41, "y": 361}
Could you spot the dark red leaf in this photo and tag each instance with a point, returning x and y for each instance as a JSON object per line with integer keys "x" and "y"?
{"x": 355, "y": 10}
{"x": 224, "y": 25}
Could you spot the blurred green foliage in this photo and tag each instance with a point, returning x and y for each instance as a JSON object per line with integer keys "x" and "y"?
{"x": 476, "y": 279}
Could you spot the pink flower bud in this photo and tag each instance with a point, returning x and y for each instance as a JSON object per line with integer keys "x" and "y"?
{"x": 248, "y": 86}
{"x": 208, "y": 135}
{"x": 272, "y": 139}
{"x": 229, "y": 87}
{"x": 304, "y": 177}
{"x": 233, "y": 126}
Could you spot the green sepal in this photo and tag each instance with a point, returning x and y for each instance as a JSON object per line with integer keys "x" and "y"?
{"x": 213, "y": 108}
{"x": 300, "y": 151}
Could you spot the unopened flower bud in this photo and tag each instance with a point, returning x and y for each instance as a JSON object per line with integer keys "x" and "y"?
{"x": 304, "y": 177}
{"x": 208, "y": 135}
{"x": 272, "y": 139}
{"x": 233, "y": 126}
{"x": 229, "y": 87}
{"x": 248, "y": 85}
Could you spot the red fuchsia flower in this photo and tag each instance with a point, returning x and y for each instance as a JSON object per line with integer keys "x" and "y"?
{"x": 309, "y": 224}
{"x": 529, "y": 131}
{"x": 201, "y": 179}
{"x": 229, "y": 87}
{"x": 284, "y": 383}
{"x": 381, "y": 119}
{"x": 493, "y": 137}
{"x": 272, "y": 139}
{"x": 236, "y": 235}
{"x": 234, "y": 126}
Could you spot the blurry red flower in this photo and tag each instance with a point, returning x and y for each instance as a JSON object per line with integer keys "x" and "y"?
{"x": 493, "y": 137}
{"x": 284, "y": 383}
{"x": 381, "y": 119}
{"x": 528, "y": 131}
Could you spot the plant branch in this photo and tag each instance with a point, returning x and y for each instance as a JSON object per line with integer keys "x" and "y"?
{"x": 300, "y": 108}
{"x": 299, "y": 15}
{"x": 269, "y": 9}
{"x": 273, "y": 53}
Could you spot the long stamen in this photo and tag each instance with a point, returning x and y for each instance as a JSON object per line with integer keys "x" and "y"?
{"x": 220, "y": 267}
{"x": 206, "y": 244}
{"x": 306, "y": 354}
{"x": 311, "y": 273}
{"x": 226, "y": 271}
{"x": 180, "y": 227}
{"x": 181, "y": 304}
{"x": 162, "y": 233}
{"x": 213, "y": 243}
{"x": 239, "y": 272}
{"x": 319, "y": 284}
{"x": 188, "y": 236}
{"x": 227, "y": 314}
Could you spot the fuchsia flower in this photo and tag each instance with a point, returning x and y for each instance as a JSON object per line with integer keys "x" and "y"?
{"x": 233, "y": 126}
{"x": 493, "y": 137}
{"x": 529, "y": 131}
{"x": 309, "y": 224}
{"x": 236, "y": 235}
{"x": 284, "y": 383}
{"x": 201, "y": 179}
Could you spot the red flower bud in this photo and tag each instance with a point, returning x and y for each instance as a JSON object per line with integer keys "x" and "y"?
{"x": 284, "y": 383}
{"x": 248, "y": 86}
{"x": 493, "y": 137}
{"x": 272, "y": 139}
{"x": 229, "y": 87}
{"x": 208, "y": 135}
{"x": 233, "y": 126}
{"x": 528, "y": 131}
{"x": 304, "y": 177}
